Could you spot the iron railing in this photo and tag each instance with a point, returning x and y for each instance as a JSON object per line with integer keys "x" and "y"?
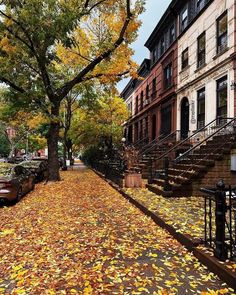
{"x": 111, "y": 170}
{"x": 141, "y": 143}
{"x": 198, "y": 138}
{"x": 227, "y": 126}
{"x": 220, "y": 220}
{"x": 160, "y": 140}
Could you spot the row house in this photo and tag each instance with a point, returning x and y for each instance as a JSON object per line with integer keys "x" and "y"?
{"x": 205, "y": 88}
{"x": 189, "y": 77}
{"x": 154, "y": 95}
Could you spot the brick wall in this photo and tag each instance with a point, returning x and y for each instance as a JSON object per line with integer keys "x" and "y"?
{"x": 221, "y": 170}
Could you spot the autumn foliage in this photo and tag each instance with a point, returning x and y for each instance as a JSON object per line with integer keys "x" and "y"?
{"x": 79, "y": 236}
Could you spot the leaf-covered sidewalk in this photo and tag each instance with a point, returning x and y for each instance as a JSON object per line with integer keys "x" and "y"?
{"x": 185, "y": 215}
{"x": 79, "y": 236}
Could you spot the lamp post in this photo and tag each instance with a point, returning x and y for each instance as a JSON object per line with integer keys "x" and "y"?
{"x": 122, "y": 160}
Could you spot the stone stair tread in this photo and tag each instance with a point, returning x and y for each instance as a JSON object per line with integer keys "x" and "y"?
{"x": 184, "y": 171}
{"x": 162, "y": 181}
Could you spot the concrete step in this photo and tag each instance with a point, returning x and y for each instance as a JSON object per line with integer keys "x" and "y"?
{"x": 186, "y": 172}
{"x": 212, "y": 156}
{"x": 204, "y": 162}
{"x": 199, "y": 168}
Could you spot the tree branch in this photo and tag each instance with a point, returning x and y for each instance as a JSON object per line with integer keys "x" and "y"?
{"x": 12, "y": 85}
{"x": 64, "y": 90}
{"x": 105, "y": 75}
{"x": 31, "y": 46}
{"x": 86, "y": 3}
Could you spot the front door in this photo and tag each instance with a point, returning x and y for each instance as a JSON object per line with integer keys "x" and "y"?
{"x": 184, "y": 118}
{"x": 154, "y": 127}
{"x": 166, "y": 120}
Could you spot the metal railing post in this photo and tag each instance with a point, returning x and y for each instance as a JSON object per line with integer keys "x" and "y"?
{"x": 150, "y": 174}
{"x": 220, "y": 251}
{"x": 167, "y": 186}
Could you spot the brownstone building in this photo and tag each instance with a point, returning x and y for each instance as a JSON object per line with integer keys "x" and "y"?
{"x": 152, "y": 100}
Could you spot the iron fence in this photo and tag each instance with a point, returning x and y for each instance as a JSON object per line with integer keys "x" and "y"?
{"x": 111, "y": 170}
{"x": 220, "y": 220}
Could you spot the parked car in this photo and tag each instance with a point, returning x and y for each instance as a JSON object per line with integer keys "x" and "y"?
{"x": 38, "y": 168}
{"x": 3, "y": 160}
{"x": 15, "y": 182}
{"x": 15, "y": 160}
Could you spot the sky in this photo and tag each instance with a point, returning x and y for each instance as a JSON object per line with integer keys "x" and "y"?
{"x": 150, "y": 18}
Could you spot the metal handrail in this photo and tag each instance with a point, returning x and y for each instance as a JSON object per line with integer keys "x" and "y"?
{"x": 202, "y": 159}
{"x": 137, "y": 143}
{"x": 205, "y": 139}
{"x": 151, "y": 147}
{"x": 188, "y": 138}
{"x": 148, "y": 145}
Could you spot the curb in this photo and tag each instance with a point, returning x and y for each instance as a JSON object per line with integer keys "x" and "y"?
{"x": 191, "y": 244}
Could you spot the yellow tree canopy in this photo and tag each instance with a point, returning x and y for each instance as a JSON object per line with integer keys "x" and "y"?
{"x": 104, "y": 121}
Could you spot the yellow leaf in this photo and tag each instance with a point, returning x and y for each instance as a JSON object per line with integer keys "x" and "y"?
{"x": 152, "y": 255}
{"x": 88, "y": 290}
{"x": 143, "y": 289}
{"x": 20, "y": 292}
{"x": 6, "y": 232}
{"x": 223, "y": 291}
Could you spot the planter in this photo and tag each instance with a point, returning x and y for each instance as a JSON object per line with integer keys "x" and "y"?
{"x": 133, "y": 180}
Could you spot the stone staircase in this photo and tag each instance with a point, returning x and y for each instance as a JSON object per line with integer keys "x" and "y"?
{"x": 185, "y": 170}
{"x": 156, "y": 149}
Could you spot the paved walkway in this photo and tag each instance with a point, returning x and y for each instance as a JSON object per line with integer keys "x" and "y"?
{"x": 79, "y": 236}
{"x": 185, "y": 215}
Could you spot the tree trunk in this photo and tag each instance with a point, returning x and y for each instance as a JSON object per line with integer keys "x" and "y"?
{"x": 52, "y": 140}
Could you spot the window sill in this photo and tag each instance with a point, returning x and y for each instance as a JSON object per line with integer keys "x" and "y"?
{"x": 200, "y": 67}
{"x": 167, "y": 89}
{"x": 220, "y": 53}
{"x": 185, "y": 69}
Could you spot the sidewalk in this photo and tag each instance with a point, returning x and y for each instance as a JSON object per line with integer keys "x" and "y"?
{"x": 183, "y": 217}
{"x": 80, "y": 236}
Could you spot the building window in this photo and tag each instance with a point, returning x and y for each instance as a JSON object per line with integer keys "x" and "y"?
{"x": 200, "y": 4}
{"x": 168, "y": 76}
{"x": 201, "y": 108}
{"x": 140, "y": 130}
{"x": 184, "y": 18}
{"x": 166, "y": 120}
{"x": 221, "y": 88}
{"x": 141, "y": 101}
{"x": 162, "y": 44}
{"x": 201, "y": 50}
{"x": 154, "y": 55}
{"x": 184, "y": 59}
{"x": 146, "y": 127}
{"x": 172, "y": 34}
{"x": 147, "y": 92}
{"x": 130, "y": 108}
{"x": 136, "y": 105}
{"x": 154, "y": 85}
{"x": 222, "y": 34}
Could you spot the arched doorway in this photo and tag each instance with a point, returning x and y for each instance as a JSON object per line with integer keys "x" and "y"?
{"x": 154, "y": 126}
{"x": 184, "y": 125}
